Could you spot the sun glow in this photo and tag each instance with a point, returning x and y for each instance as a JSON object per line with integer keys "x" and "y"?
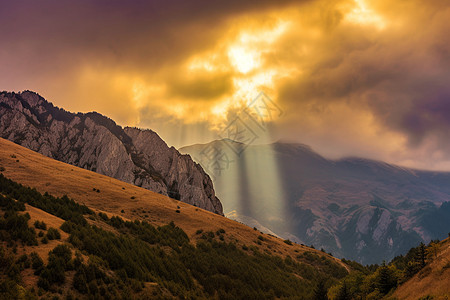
{"x": 242, "y": 54}
{"x": 220, "y": 109}
{"x": 244, "y": 60}
{"x": 247, "y": 58}
{"x": 363, "y": 15}
{"x": 207, "y": 62}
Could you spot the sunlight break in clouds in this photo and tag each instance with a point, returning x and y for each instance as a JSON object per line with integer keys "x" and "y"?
{"x": 242, "y": 56}
{"x": 362, "y": 14}
{"x": 354, "y": 77}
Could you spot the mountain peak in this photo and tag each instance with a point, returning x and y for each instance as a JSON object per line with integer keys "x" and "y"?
{"x": 95, "y": 142}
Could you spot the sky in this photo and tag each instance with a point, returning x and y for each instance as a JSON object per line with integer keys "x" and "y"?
{"x": 347, "y": 77}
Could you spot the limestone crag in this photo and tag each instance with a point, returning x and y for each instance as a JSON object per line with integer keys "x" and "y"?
{"x": 95, "y": 142}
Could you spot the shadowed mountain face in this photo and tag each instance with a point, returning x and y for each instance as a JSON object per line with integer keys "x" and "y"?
{"x": 355, "y": 208}
{"x": 97, "y": 143}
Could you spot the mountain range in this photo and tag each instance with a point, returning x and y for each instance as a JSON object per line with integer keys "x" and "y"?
{"x": 125, "y": 242}
{"x": 360, "y": 209}
{"x": 67, "y": 231}
{"x": 95, "y": 142}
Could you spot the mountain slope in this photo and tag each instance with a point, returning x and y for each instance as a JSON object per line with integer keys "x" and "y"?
{"x": 112, "y": 196}
{"x": 204, "y": 253}
{"x": 96, "y": 143}
{"x": 433, "y": 280}
{"x": 359, "y": 209}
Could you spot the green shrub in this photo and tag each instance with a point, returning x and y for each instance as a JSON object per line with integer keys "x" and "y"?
{"x": 40, "y": 225}
{"x": 59, "y": 261}
{"x": 103, "y": 216}
{"x": 53, "y": 234}
{"x": 14, "y": 227}
{"x": 36, "y": 261}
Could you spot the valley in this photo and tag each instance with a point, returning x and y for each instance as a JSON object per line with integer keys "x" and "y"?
{"x": 360, "y": 209}
{"x": 113, "y": 212}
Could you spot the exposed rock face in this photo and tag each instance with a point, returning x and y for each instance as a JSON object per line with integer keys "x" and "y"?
{"x": 96, "y": 143}
{"x": 356, "y": 208}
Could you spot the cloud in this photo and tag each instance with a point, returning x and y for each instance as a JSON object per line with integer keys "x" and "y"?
{"x": 202, "y": 86}
{"x": 354, "y": 77}
{"x": 396, "y": 76}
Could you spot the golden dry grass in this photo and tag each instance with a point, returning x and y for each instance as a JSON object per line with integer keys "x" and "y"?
{"x": 39, "y": 215}
{"x": 433, "y": 280}
{"x": 47, "y": 175}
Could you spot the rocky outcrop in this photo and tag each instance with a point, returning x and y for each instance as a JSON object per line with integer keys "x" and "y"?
{"x": 356, "y": 208}
{"x": 95, "y": 142}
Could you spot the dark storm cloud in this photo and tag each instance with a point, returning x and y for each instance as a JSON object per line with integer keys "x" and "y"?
{"x": 75, "y": 51}
{"x": 354, "y": 77}
{"x": 144, "y": 33}
{"x": 201, "y": 87}
{"x": 400, "y": 76}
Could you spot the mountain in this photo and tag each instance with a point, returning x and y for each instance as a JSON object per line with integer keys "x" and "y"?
{"x": 360, "y": 209}
{"x": 70, "y": 233}
{"x": 95, "y": 142}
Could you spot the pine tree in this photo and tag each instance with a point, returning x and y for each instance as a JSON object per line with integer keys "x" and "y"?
{"x": 433, "y": 249}
{"x": 320, "y": 292}
{"x": 343, "y": 293}
{"x": 385, "y": 280}
{"x": 421, "y": 255}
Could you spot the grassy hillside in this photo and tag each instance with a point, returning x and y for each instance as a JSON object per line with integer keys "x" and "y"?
{"x": 114, "y": 197}
{"x": 421, "y": 273}
{"x": 118, "y": 240}
{"x": 433, "y": 280}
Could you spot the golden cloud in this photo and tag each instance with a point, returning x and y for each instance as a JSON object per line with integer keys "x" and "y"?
{"x": 354, "y": 77}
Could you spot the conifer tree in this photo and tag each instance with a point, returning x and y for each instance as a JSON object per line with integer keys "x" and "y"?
{"x": 385, "y": 279}
{"x": 320, "y": 292}
{"x": 343, "y": 293}
{"x": 421, "y": 255}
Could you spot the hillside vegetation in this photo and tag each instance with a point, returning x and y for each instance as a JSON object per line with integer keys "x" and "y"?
{"x": 69, "y": 233}
{"x": 433, "y": 281}
{"x": 154, "y": 251}
{"x": 422, "y": 272}
{"x": 138, "y": 259}
{"x": 113, "y": 197}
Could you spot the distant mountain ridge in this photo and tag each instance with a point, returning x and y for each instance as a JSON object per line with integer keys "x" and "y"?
{"x": 356, "y": 208}
{"x": 95, "y": 142}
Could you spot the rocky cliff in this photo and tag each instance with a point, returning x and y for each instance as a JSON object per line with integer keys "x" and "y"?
{"x": 95, "y": 142}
